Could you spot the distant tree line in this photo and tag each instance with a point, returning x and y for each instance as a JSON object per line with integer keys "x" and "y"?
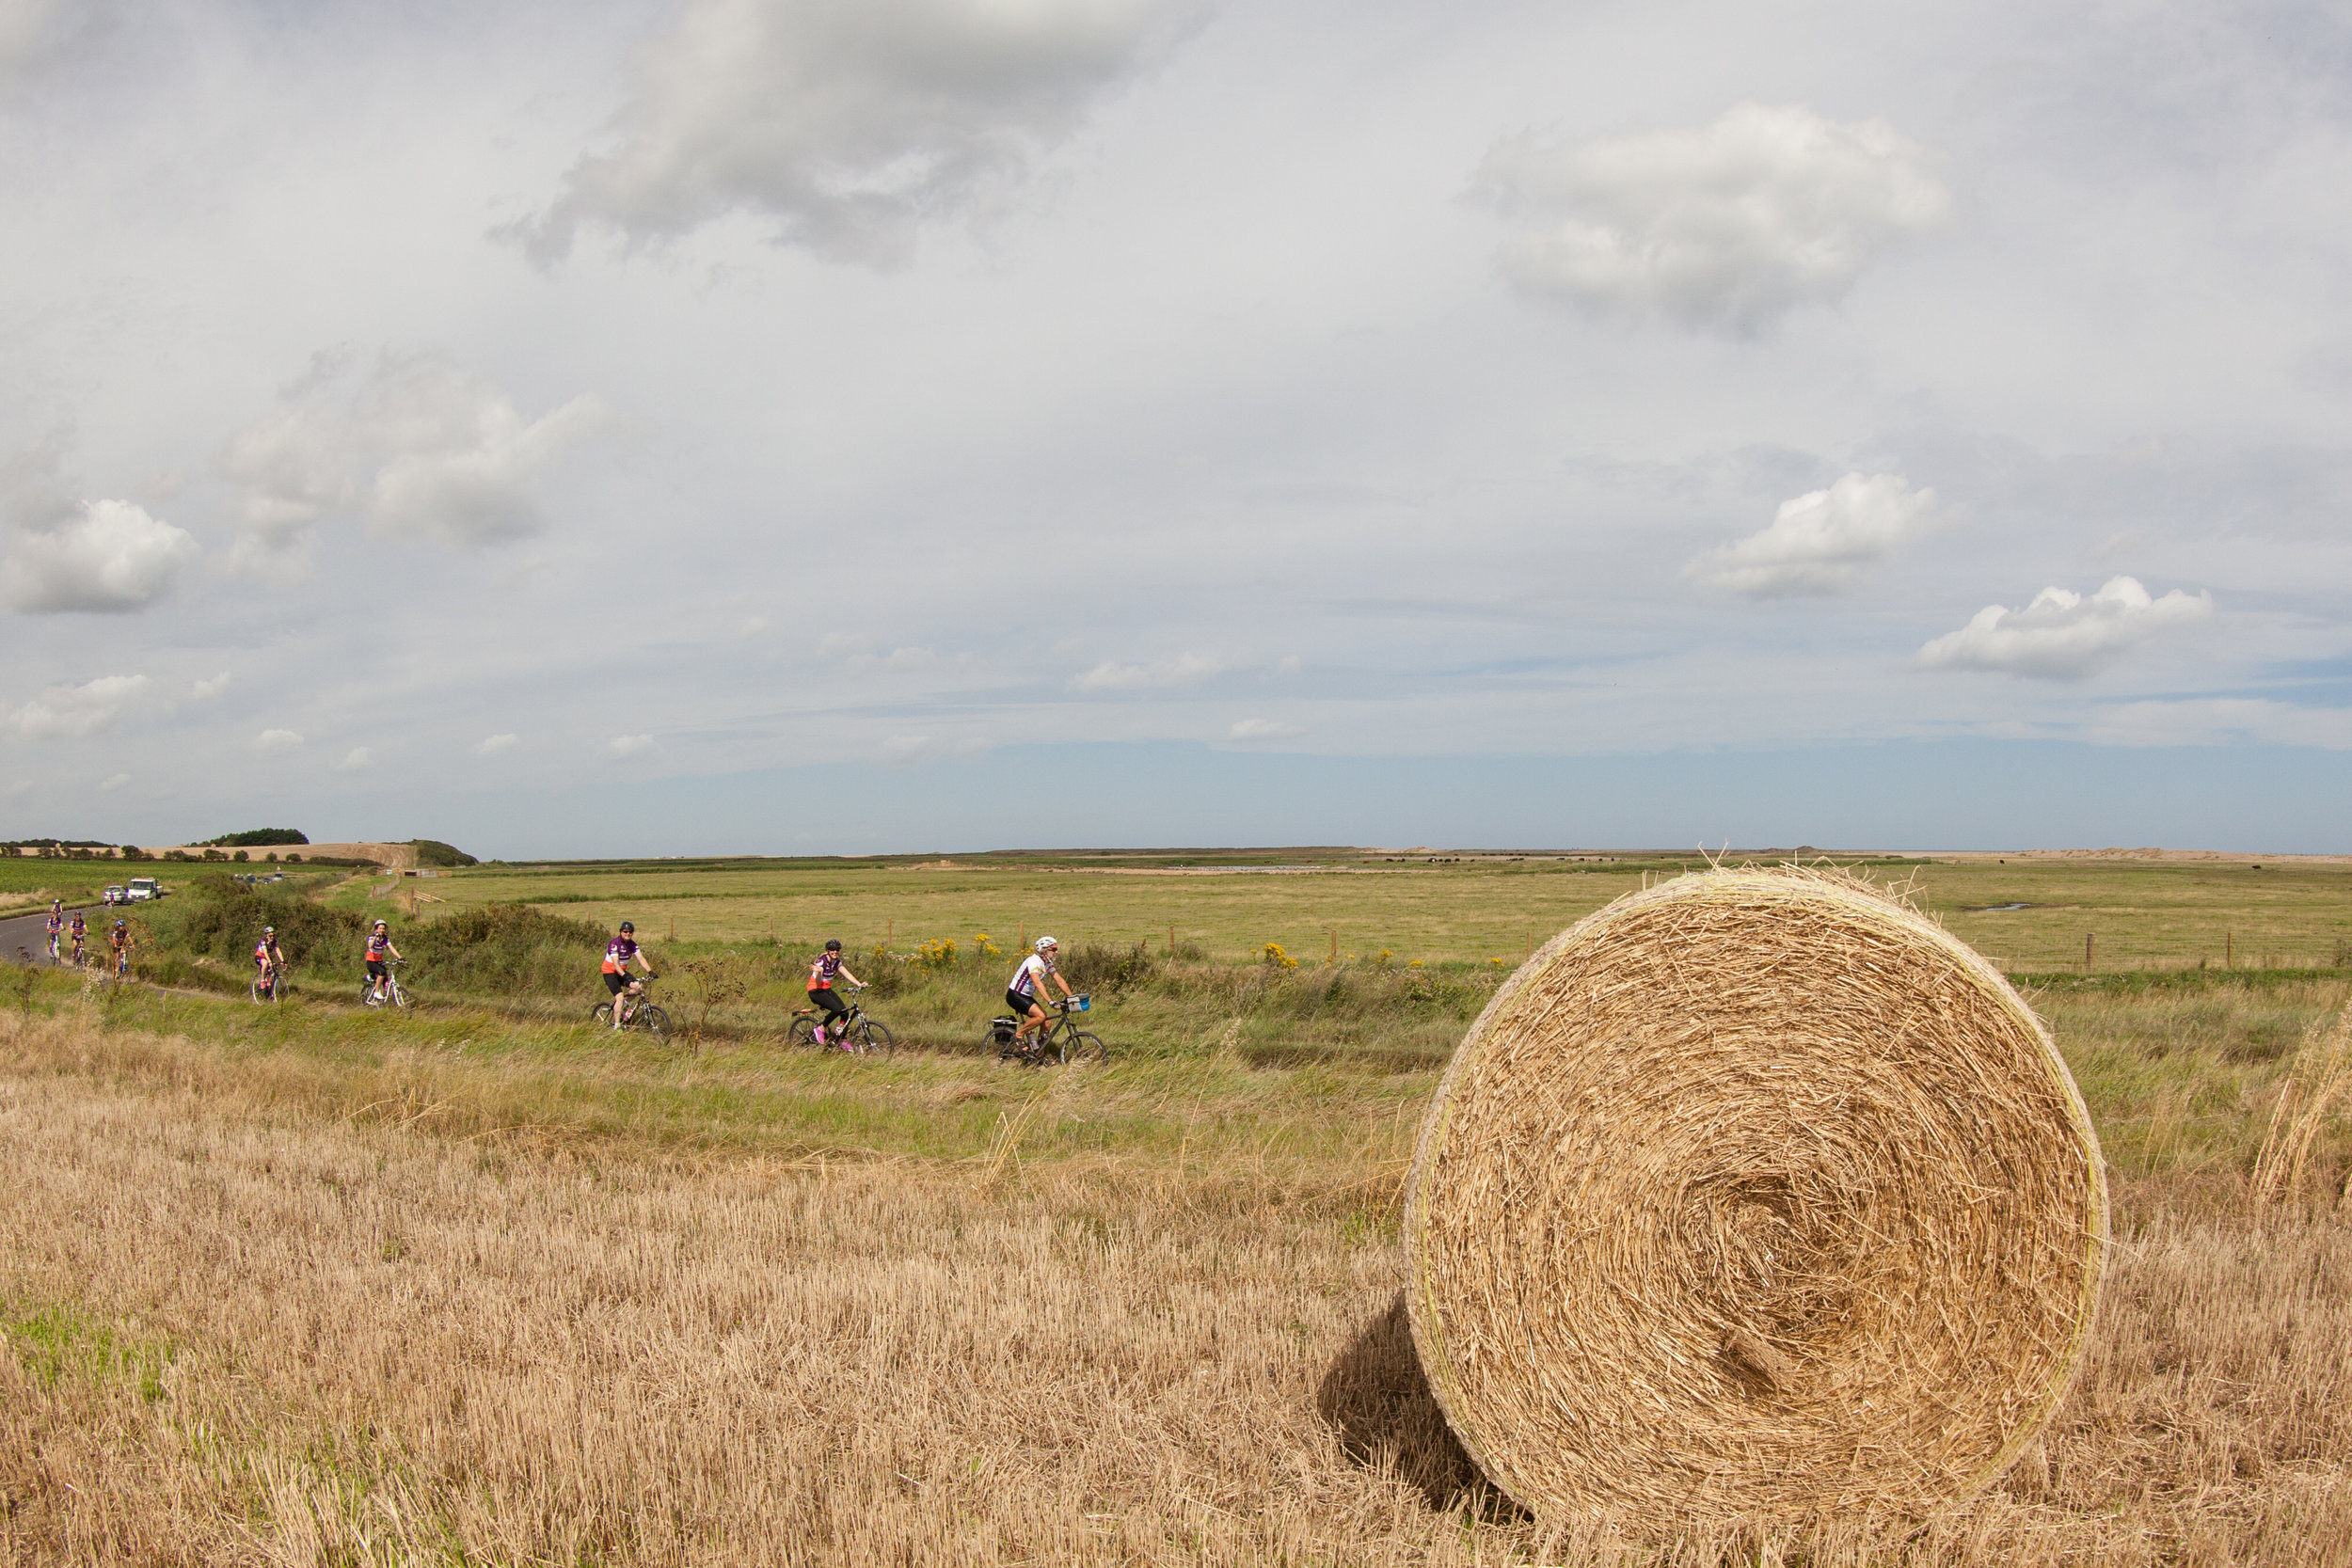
{"x": 254, "y": 838}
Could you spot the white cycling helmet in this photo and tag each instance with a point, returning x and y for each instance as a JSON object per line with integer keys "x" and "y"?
{"x": 1044, "y": 943}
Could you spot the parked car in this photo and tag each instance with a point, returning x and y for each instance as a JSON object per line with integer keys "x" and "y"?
{"x": 142, "y": 889}
{"x": 115, "y": 896}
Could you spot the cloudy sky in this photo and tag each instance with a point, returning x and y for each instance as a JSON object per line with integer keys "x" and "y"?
{"x": 811, "y": 425}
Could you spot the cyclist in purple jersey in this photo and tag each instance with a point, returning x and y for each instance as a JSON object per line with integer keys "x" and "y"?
{"x": 381, "y": 954}
{"x": 617, "y": 956}
{"x": 821, "y": 976}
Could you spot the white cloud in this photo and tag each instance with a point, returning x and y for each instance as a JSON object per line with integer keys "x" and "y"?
{"x": 113, "y": 782}
{"x": 1821, "y": 542}
{"x": 77, "y": 710}
{"x": 1261, "y": 729}
{"x": 848, "y": 125}
{"x": 631, "y": 745}
{"x": 1727, "y": 226}
{"x": 278, "y": 742}
{"x": 1180, "y": 670}
{"x": 354, "y": 760}
{"x": 752, "y": 626}
{"x": 205, "y": 690}
{"x": 419, "y": 449}
{"x": 110, "y": 556}
{"x": 2062, "y": 635}
{"x": 490, "y": 745}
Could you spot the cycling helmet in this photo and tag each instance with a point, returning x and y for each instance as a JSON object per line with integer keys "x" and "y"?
{"x": 120, "y": 924}
{"x": 833, "y": 945}
{"x": 382, "y": 927}
{"x": 269, "y": 930}
{"x": 628, "y": 926}
{"x": 1044, "y": 943}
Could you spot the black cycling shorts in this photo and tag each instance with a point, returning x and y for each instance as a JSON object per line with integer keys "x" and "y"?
{"x": 824, "y": 997}
{"x": 615, "y": 981}
{"x": 376, "y": 970}
{"x": 1020, "y": 1004}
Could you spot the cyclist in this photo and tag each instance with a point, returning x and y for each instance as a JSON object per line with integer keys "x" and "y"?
{"x": 268, "y": 961}
{"x": 77, "y": 929}
{"x": 55, "y": 925}
{"x": 820, "y": 978}
{"x": 1026, "y": 993}
{"x": 120, "y": 940}
{"x": 617, "y": 954}
{"x": 381, "y": 954}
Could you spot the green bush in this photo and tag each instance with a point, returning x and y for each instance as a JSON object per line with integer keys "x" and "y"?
{"x": 432, "y": 851}
{"x": 257, "y": 837}
{"x": 504, "y": 949}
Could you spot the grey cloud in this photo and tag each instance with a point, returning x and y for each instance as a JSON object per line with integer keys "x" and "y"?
{"x": 110, "y": 558}
{"x": 72, "y": 711}
{"x": 419, "y": 449}
{"x": 847, "y": 124}
{"x": 1726, "y": 226}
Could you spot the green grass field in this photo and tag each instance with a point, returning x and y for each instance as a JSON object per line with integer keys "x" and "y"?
{"x": 481, "y": 1282}
{"x": 1476, "y": 909}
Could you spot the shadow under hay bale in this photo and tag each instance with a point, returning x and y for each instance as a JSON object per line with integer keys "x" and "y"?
{"x": 1755, "y": 1200}
{"x": 1377, "y": 1400}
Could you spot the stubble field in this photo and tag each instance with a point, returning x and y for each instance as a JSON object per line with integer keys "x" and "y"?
{"x": 475, "y": 1285}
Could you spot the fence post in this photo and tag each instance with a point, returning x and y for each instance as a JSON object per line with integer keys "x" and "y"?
{"x": 674, "y": 926}
{"x": 2228, "y": 949}
{"x": 1172, "y": 941}
{"x": 1335, "y": 946}
{"x": 2085, "y": 951}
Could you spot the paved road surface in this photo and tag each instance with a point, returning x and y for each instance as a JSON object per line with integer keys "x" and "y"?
{"x": 26, "y": 932}
{"x": 24, "y": 939}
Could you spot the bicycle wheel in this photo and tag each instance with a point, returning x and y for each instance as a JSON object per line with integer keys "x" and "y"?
{"x": 1084, "y": 1049}
{"x": 601, "y": 1013}
{"x": 652, "y": 1019}
{"x": 800, "y": 1031}
{"x": 399, "y": 997}
{"x": 873, "y": 1039}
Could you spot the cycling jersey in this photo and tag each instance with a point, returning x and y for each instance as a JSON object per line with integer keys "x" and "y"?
{"x": 379, "y": 947}
{"x": 1029, "y": 979}
{"x": 617, "y": 952}
{"x": 55, "y": 924}
{"x": 820, "y": 973}
{"x": 266, "y": 955}
{"x": 79, "y": 928}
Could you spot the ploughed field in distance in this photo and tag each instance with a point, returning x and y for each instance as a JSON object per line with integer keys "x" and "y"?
{"x": 310, "y": 1283}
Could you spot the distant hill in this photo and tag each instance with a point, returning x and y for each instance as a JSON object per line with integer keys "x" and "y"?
{"x": 254, "y": 838}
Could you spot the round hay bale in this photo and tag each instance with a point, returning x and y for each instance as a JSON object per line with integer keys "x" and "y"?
{"x": 1755, "y": 1196}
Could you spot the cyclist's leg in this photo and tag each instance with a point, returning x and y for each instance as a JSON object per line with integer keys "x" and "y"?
{"x": 835, "y": 1012}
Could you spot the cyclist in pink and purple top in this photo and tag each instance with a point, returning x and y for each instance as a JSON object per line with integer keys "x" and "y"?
{"x": 820, "y": 978}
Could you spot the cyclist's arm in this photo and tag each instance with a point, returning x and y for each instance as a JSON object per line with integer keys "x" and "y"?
{"x": 392, "y": 952}
{"x": 1060, "y": 981}
{"x": 852, "y": 978}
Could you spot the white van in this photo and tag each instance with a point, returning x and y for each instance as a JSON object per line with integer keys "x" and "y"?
{"x": 142, "y": 889}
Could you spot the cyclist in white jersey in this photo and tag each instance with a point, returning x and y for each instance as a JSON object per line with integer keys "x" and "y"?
{"x": 1026, "y": 995}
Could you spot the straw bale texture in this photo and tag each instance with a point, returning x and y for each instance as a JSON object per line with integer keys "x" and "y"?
{"x": 1755, "y": 1196}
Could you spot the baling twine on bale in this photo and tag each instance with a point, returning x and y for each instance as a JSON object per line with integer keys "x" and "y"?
{"x": 1755, "y": 1196}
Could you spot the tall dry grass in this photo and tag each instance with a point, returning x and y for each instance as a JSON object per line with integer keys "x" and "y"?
{"x": 243, "y": 1329}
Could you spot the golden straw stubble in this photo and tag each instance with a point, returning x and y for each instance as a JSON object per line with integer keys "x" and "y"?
{"x": 1754, "y": 1196}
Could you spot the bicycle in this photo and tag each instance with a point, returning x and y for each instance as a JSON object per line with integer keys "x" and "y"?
{"x": 269, "y": 988}
{"x": 1061, "y": 1042}
{"x": 644, "y": 1015}
{"x": 393, "y": 996}
{"x": 854, "y": 1035}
